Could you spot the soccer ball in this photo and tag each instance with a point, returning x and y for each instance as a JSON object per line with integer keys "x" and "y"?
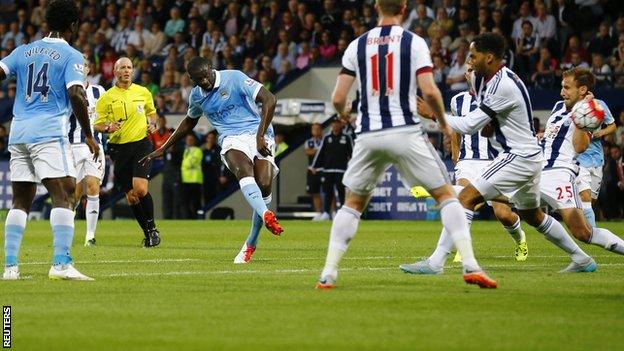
{"x": 588, "y": 115}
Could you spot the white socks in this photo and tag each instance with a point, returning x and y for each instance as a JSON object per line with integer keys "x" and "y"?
{"x": 516, "y": 232}
{"x": 92, "y": 212}
{"x": 605, "y": 239}
{"x": 343, "y": 229}
{"x": 456, "y": 220}
{"x": 555, "y": 233}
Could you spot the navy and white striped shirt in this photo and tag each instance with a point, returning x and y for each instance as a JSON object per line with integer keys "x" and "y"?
{"x": 474, "y": 146}
{"x": 557, "y": 141}
{"x": 76, "y": 136}
{"x": 385, "y": 62}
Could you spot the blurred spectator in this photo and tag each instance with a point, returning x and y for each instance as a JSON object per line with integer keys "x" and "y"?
{"x": 442, "y": 21}
{"x": 6, "y": 103}
{"x": 171, "y": 186}
{"x": 249, "y": 68}
{"x": 211, "y": 166}
{"x": 546, "y": 68}
{"x": 37, "y": 14}
{"x": 146, "y": 81}
{"x": 282, "y": 54}
{"x": 303, "y": 59}
{"x": 612, "y": 190}
{"x": 440, "y": 71}
{"x": 603, "y": 43}
{"x": 619, "y": 134}
{"x": 13, "y": 34}
{"x": 527, "y": 45}
{"x": 456, "y": 79}
{"x": 107, "y": 64}
{"x": 313, "y": 179}
{"x": 233, "y": 23}
{"x": 280, "y": 143}
{"x": 268, "y": 35}
{"x": 263, "y": 78}
{"x": 162, "y": 133}
{"x": 545, "y": 24}
{"x": 524, "y": 15}
{"x": 327, "y": 49}
{"x": 420, "y": 20}
{"x": 192, "y": 177}
{"x": 138, "y": 36}
{"x": 331, "y": 159}
{"x": 175, "y": 24}
{"x": 155, "y": 41}
{"x": 601, "y": 70}
{"x": 575, "y": 47}
{"x": 119, "y": 41}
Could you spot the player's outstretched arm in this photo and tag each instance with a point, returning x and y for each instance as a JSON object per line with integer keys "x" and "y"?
{"x": 78, "y": 100}
{"x": 187, "y": 125}
{"x": 268, "y": 101}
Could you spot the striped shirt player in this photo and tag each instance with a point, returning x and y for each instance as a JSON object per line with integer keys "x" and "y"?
{"x": 560, "y": 165}
{"x": 475, "y": 151}
{"x": 504, "y": 104}
{"x": 592, "y": 160}
{"x": 85, "y": 165}
{"x": 386, "y": 62}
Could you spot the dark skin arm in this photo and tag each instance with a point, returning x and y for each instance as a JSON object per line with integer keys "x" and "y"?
{"x": 268, "y": 101}
{"x": 183, "y": 129}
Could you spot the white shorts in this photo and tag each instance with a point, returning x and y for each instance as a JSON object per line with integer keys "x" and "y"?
{"x": 407, "y": 149}
{"x": 470, "y": 169}
{"x": 35, "y": 162}
{"x": 514, "y": 177}
{"x": 85, "y": 166}
{"x": 590, "y": 178}
{"x": 246, "y": 143}
{"x": 558, "y": 189}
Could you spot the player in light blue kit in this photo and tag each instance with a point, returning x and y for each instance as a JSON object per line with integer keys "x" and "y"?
{"x": 228, "y": 99}
{"x": 591, "y": 161}
{"x": 50, "y": 83}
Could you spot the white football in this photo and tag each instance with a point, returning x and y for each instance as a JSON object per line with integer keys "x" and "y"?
{"x": 588, "y": 115}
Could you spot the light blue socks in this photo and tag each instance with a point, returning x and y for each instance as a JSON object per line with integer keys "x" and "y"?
{"x": 588, "y": 211}
{"x": 256, "y": 224}
{"x": 13, "y": 233}
{"x": 62, "y": 222}
{"x": 252, "y": 194}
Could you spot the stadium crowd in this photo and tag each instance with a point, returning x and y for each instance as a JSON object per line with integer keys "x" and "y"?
{"x": 271, "y": 41}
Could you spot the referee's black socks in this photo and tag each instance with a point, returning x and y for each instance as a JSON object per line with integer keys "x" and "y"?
{"x": 147, "y": 205}
{"x": 137, "y": 210}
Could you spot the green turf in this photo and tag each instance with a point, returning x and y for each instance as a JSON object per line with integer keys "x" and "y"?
{"x": 187, "y": 294}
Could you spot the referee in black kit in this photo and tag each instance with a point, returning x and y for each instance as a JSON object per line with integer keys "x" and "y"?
{"x": 126, "y": 111}
{"x": 331, "y": 160}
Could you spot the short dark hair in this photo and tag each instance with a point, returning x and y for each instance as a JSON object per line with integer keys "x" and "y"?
{"x": 390, "y": 7}
{"x": 492, "y": 43}
{"x": 527, "y": 22}
{"x": 61, "y": 14}
{"x": 196, "y": 64}
{"x": 582, "y": 76}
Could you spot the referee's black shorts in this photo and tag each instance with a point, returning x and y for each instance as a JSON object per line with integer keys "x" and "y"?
{"x": 126, "y": 162}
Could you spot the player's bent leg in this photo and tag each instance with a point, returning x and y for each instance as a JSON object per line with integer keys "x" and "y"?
{"x": 15, "y": 224}
{"x": 581, "y": 230}
{"x": 62, "y": 192}
{"x": 92, "y": 210}
{"x": 556, "y": 234}
{"x": 511, "y": 222}
{"x": 344, "y": 228}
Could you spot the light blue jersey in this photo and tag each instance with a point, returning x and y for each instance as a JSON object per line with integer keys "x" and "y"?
{"x": 45, "y": 69}
{"x": 593, "y": 156}
{"x": 230, "y": 106}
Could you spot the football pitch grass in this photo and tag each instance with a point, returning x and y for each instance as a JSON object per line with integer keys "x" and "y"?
{"x": 188, "y": 295}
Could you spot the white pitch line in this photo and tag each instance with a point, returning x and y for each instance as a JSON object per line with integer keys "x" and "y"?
{"x": 157, "y": 260}
{"x": 286, "y": 271}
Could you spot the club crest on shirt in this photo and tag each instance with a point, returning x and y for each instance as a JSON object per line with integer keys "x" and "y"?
{"x": 224, "y": 94}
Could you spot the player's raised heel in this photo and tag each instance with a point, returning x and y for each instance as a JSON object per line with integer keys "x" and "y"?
{"x": 589, "y": 266}
{"x": 90, "y": 243}
{"x": 66, "y": 272}
{"x": 11, "y": 273}
{"x": 271, "y": 223}
{"x": 244, "y": 256}
{"x": 325, "y": 283}
{"x": 481, "y": 279}
{"x": 421, "y": 267}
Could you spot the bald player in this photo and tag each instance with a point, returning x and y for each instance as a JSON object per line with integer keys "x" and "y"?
{"x": 126, "y": 113}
